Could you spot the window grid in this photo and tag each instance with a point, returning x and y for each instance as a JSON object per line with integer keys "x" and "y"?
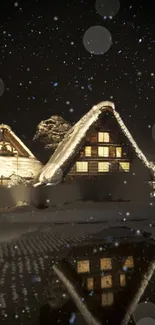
{"x": 83, "y": 266}
{"x": 107, "y": 299}
{"x": 103, "y": 137}
{"x": 118, "y": 152}
{"x": 129, "y": 263}
{"x": 88, "y": 151}
{"x": 105, "y": 264}
{"x": 82, "y": 166}
{"x": 103, "y": 167}
{"x": 106, "y": 281}
{"x": 103, "y": 151}
{"x": 125, "y": 166}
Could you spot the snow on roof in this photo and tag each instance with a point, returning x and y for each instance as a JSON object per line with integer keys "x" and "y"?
{"x": 74, "y": 137}
{"x": 5, "y": 126}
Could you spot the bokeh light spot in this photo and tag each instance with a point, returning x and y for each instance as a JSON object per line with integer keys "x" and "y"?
{"x": 107, "y": 8}
{"x": 97, "y": 40}
{"x": 144, "y": 310}
{"x": 146, "y": 321}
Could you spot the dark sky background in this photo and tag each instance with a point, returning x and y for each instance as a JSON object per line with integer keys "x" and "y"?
{"x": 46, "y": 69}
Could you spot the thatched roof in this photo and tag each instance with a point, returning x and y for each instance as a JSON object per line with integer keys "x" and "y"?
{"x": 14, "y": 140}
{"x": 74, "y": 138}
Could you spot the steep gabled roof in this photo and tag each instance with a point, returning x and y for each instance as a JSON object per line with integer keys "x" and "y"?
{"x": 12, "y": 137}
{"x": 74, "y": 137}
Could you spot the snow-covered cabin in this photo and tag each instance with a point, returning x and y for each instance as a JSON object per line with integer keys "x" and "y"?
{"x": 98, "y": 160}
{"x": 17, "y": 162}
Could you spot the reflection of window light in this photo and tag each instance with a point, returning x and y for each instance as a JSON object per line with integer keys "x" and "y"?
{"x": 129, "y": 263}
{"x": 103, "y": 151}
{"x": 105, "y": 264}
{"x": 82, "y": 166}
{"x": 122, "y": 280}
{"x": 107, "y": 299}
{"x": 103, "y": 167}
{"x": 90, "y": 283}
{"x": 83, "y": 266}
{"x": 103, "y": 137}
{"x": 106, "y": 281}
{"x": 88, "y": 151}
{"x": 125, "y": 166}
{"x": 118, "y": 152}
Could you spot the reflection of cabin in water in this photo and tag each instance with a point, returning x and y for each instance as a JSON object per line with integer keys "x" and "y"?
{"x": 104, "y": 274}
{"x": 109, "y": 276}
{"x": 98, "y": 160}
{"x": 16, "y": 160}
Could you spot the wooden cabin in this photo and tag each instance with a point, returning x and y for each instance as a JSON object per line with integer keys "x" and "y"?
{"x": 98, "y": 160}
{"x": 16, "y": 160}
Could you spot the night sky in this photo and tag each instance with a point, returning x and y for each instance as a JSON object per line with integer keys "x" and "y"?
{"x": 46, "y": 69}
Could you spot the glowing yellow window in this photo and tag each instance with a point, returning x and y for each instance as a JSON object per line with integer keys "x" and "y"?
{"x": 103, "y": 137}
{"x": 105, "y": 264}
{"x": 129, "y": 263}
{"x": 90, "y": 283}
{"x": 122, "y": 280}
{"x": 103, "y": 167}
{"x": 124, "y": 166}
{"x": 103, "y": 151}
{"x": 106, "y": 281}
{"x": 83, "y": 267}
{"x": 88, "y": 151}
{"x": 118, "y": 152}
{"x": 107, "y": 299}
{"x": 82, "y": 166}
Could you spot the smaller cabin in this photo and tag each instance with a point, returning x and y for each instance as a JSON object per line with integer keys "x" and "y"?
{"x": 17, "y": 162}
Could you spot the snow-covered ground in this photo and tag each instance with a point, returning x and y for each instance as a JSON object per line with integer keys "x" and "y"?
{"x": 81, "y": 212}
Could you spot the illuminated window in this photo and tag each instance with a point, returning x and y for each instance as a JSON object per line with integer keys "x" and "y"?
{"x": 129, "y": 263}
{"x": 88, "y": 151}
{"x": 106, "y": 281}
{"x": 125, "y": 166}
{"x": 90, "y": 283}
{"x": 83, "y": 266}
{"x": 82, "y": 166}
{"x": 103, "y": 137}
{"x": 118, "y": 152}
{"x": 103, "y": 167}
{"x": 122, "y": 280}
{"x": 103, "y": 151}
{"x": 107, "y": 299}
{"x": 105, "y": 264}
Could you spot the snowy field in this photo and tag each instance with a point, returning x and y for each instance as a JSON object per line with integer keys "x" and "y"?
{"x": 30, "y": 241}
{"x": 80, "y": 212}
